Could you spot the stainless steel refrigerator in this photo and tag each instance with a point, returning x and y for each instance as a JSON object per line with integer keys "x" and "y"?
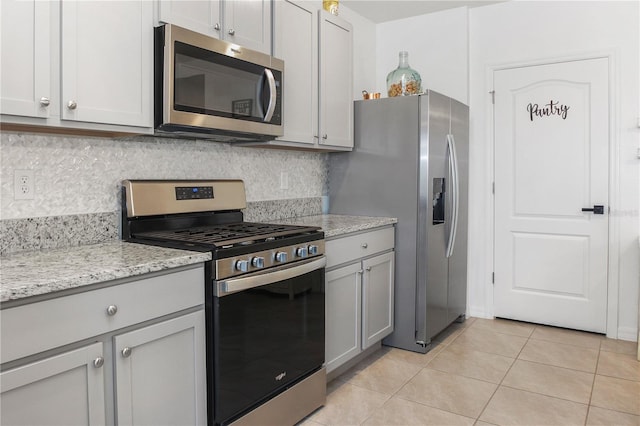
{"x": 410, "y": 161}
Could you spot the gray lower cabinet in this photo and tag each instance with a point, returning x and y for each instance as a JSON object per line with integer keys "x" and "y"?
{"x": 131, "y": 353}
{"x": 359, "y": 294}
{"x": 65, "y": 389}
{"x": 159, "y": 373}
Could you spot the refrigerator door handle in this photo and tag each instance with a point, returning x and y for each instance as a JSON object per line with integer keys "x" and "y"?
{"x": 453, "y": 166}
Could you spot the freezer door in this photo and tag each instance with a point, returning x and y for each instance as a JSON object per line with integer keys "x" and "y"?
{"x": 434, "y": 218}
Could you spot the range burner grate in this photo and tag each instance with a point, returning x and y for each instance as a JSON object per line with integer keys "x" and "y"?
{"x": 243, "y": 233}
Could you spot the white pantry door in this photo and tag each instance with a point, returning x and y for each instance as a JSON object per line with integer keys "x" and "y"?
{"x": 551, "y": 161}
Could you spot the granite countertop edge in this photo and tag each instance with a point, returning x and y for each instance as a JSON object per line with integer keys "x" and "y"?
{"x": 37, "y": 273}
{"x": 43, "y": 272}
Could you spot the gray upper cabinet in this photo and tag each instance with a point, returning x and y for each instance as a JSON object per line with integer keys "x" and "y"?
{"x": 59, "y": 71}
{"x": 243, "y": 22}
{"x": 336, "y": 83}
{"x": 25, "y": 58}
{"x": 318, "y": 80}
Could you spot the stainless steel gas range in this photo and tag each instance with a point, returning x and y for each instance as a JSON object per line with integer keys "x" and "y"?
{"x": 264, "y": 296}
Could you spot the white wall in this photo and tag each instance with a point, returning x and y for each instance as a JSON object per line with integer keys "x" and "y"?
{"x": 522, "y": 31}
{"x": 438, "y": 49}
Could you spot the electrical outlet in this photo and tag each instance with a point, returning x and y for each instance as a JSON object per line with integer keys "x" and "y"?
{"x": 24, "y": 185}
{"x": 284, "y": 180}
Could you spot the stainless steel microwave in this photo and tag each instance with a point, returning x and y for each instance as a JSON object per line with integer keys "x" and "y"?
{"x": 208, "y": 88}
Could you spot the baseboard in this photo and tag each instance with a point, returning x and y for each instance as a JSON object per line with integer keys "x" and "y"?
{"x": 628, "y": 333}
{"x": 478, "y": 312}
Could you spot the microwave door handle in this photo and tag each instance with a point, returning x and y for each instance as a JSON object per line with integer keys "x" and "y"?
{"x": 272, "y": 95}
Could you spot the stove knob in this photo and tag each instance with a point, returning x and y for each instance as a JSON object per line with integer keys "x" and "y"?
{"x": 313, "y": 250}
{"x": 242, "y": 265}
{"x": 281, "y": 256}
{"x": 257, "y": 262}
{"x": 301, "y": 252}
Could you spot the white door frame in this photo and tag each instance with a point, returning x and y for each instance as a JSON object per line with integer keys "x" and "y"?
{"x": 613, "y": 275}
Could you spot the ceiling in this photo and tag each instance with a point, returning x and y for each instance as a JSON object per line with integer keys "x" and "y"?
{"x": 390, "y": 10}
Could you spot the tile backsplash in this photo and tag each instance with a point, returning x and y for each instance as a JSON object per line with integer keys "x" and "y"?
{"x": 77, "y": 183}
{"x": 79, "y": 175}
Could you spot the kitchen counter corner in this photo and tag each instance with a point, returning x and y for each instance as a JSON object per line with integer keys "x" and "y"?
{"x": 335, "y": 225}
{"x": 35, "y": 273}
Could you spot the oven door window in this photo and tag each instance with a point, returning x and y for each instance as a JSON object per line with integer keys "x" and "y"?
{"x": 266, "y": 339}
{"x": 210, "y": 83}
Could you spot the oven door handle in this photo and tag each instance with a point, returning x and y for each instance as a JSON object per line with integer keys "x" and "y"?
{"x": 225, "y": 288}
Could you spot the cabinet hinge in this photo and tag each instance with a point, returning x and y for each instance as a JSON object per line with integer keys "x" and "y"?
{"x": 493, "y": 96}
{"x": 493, "y": 278}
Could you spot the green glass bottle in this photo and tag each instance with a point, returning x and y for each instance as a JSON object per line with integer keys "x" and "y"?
{"x": 404, "y": 81}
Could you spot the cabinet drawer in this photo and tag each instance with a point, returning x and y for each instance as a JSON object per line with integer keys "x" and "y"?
{"x": 36, "y": 327}
{"x": 346, "y": 249}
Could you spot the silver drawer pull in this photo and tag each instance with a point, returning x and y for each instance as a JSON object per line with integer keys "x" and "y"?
{"x": 126, "y": 352}
{"x": 112, "y": 309}
{"x": 364, "y": 245}
{"x": 98, "y": 362}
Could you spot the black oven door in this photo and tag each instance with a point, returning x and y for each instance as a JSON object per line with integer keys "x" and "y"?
{"x": 267, "y": 335}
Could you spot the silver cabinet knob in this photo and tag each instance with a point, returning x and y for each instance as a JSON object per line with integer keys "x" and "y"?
{"x": 232, "y": 31}
{"x": 242, "y": 265}
{"x": 364, "y": 245}
{"x": 44, "y": 101}
{"x": 98, "y": 362}
{"x": 126, "y": 352}
{"x": 257, "y": 262}
{"x": 325, "y": 136}
{"x": 360, "y": 272}
{"x": 281, "y": 256}
{"x": 72, "y": 105}
{"x": 112, "y": 309}
{"x": 368, "y": 268}
{"x": 216, "y": 27}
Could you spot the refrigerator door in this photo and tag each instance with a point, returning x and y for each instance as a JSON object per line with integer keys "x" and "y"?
{"x": 431, "y": 286}
{"x": 457, "y": 292}
{"x": 380, "y": 178}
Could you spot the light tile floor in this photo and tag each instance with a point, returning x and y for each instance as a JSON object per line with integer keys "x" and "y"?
{"x": 492, "y": 372}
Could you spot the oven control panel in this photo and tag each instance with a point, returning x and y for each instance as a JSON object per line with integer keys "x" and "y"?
{"x": 194, "y": 192}
{"x": 254, "y": 262}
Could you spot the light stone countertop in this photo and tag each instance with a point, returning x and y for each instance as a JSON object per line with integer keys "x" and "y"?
{"x": 35, "y": 273}
{"x": 337, "y": 225}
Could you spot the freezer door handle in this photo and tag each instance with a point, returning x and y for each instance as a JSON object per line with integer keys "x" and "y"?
{"x": 453, "y": 166}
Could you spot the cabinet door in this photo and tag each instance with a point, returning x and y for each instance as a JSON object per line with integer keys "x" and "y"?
{"x": 25, "y": 58}
{"x": 66, "y": 389}
{"x": 248, "y": 23}
{"x": 202, "y": 16}
{"x": 343, "y": 300}
{"x": 336, "y": 81}
{"x": 160, "y": 373}
{"x": 107, "y": 57}
{"x": 377, "y": 298}
{"x": 296, "y": 42}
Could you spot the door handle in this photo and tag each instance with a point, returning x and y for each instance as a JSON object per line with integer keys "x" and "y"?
{"x": 596, "y": 209}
